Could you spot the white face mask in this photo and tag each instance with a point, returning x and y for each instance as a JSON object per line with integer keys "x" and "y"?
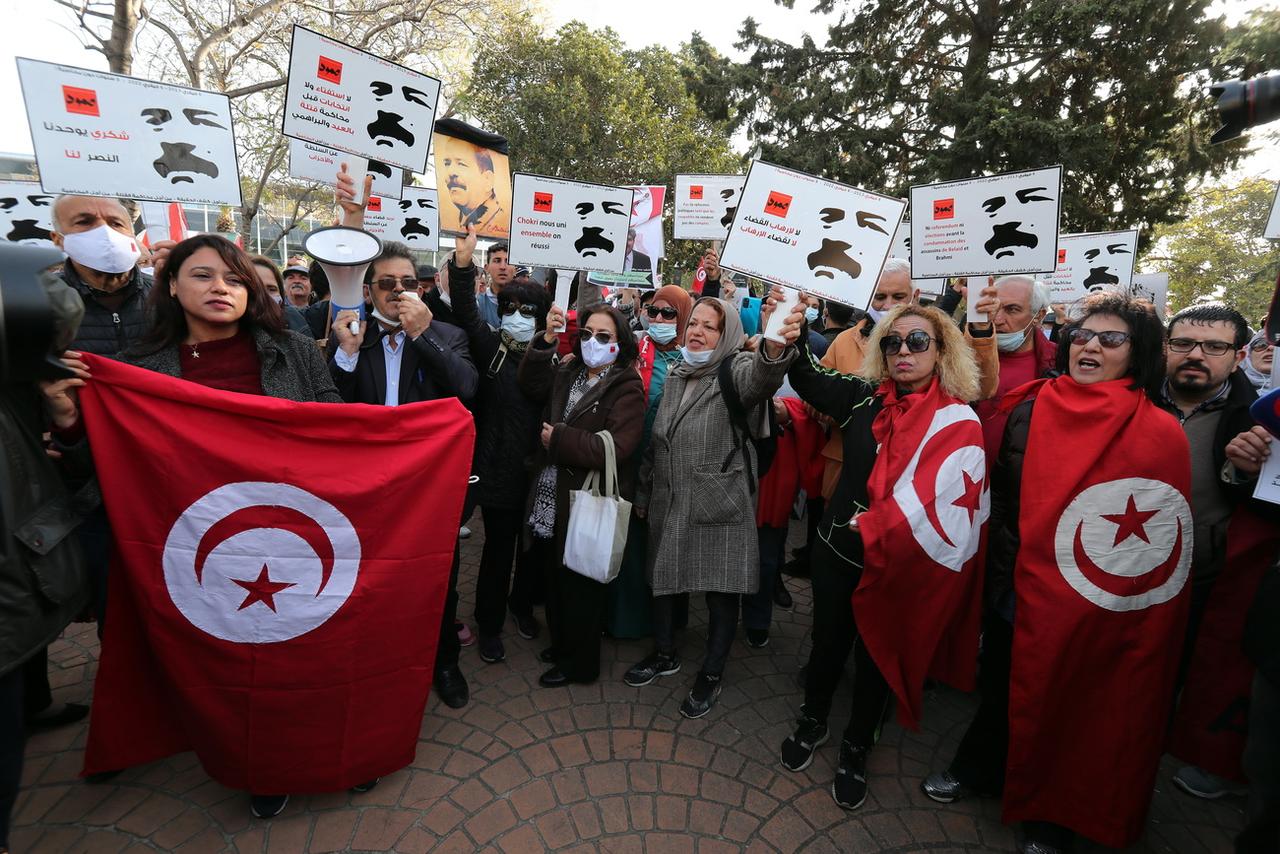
{"x": 696, "y": 357}
{"x": 444, "y": 297}
{"x": 279, "y": 299}
{"x": 103, "y": 249}
{"x": 519, "y": 327}
{"x": 876, "y": 314}
{"x": 597, "y": 355}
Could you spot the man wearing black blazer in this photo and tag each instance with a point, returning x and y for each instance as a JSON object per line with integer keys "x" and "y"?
{"x": 402, "y": 354}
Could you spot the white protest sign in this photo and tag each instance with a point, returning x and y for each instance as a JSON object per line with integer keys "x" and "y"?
{"x": 1272, "y": 231}
{"x": 986, "y": 226}
{"x": 705, "y": 204}
{"x": 810, "y": 234}
{"x": 26, "y": 213}
{"x": 413, "y": 220}
{"x": 559, "y": 223}
{"x": 344, "y": 98}
{"x": 314, "y": 162}
{"x": 1088, "y": 263}
{"x": 902, "y": 249}
{"x": 99, "y": 134}
{"x": 1152, "y": 287}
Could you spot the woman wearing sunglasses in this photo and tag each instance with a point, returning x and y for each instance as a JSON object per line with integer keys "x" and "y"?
{"x": 1257, "y": 364}
{"x": 659, "y": 345}
{"x": 1082, "y": 636}
{"x": 507, "y": 425}
{"x": 918, "y": 369}
{"x": 698, "y": 480}
{"x": 595, "y": 389}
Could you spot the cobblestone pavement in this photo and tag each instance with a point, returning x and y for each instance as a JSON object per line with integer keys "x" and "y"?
{"x": 600, "y": 767}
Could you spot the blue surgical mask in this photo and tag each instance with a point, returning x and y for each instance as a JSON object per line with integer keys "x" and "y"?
{"x": 1009, "y": 342}
{"x": 811, "y": 314}
{"x": 696, "y": 357}
{"x": 519, "y": 327}
{"x": 663, "y": 333}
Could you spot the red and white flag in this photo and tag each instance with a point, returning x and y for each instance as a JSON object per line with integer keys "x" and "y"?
{"x": 1101, "y": 606}
{"x": 918, "y": 605}
{"x": 278, "y": 581}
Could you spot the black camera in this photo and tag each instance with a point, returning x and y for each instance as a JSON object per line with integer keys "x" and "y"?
{"x": 1244, "y": 104}
{"x": 27, "y": 324}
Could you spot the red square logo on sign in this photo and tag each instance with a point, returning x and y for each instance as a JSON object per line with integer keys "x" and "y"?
{"x": 1062, "y": 256}
{"x": 777, "y": 204}
{"x": 542, "y": 202}
{"x": 82, "y": 101}
{"x": 695, "y": 191}
{"x": 329, "y": 69}
{"x": 944, "y": 208}
{"x": 375, "y": 204}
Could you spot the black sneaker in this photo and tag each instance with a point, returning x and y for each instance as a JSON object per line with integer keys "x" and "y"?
{"x": 757, "y": 638}
{"x": 702, "y": 696}
{"x": 527, "y": 625}
{"x": 548, "y": 655}
{"x": 850, "y": 785}
{"x": 491, "y": 649}
{"x": 798, "y": 749}
{"x": 267, "y": 806}
{"x": 451, "y": 685}
{"x": 361, "y": 788}
{"x": 657, "y": 664}
{"x": 781, "y": 595}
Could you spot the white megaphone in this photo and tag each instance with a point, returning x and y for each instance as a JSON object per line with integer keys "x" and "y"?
{"x": 344, "y": 254}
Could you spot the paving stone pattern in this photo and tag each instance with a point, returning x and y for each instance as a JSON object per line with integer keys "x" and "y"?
{"x": 600, "y": 767}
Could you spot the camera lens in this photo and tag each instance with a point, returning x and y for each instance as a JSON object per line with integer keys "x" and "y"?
{"x": 27, "y": 322}
{"x": 1244, "y": 104}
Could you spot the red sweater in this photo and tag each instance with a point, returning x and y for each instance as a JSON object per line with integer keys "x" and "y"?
{"x": 230, "y": 364}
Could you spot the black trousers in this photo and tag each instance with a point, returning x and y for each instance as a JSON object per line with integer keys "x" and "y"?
{"x": 12, "y": 740}
{"x": 448, "y": 648}
{"x": 984, "y": 750}
{"x": 36, "y": 693}
{"x": 1262, "y": 764}
{"x": 722, "y": 611}
{"x": 834, "y": 634}
{"x": 575, "y": 614}
{"x": 502, "y": 530}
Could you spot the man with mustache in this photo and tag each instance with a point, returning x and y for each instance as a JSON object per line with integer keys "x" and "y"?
{"x": 469, "y": 180}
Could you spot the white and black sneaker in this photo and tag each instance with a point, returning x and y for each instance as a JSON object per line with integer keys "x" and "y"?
{"x": 702, "y": 696}
{"x": 850, "y": 785}
{"x": 798, "y": 749}
{"x": 267, "y": 806}
{"x": 655, "y": 665}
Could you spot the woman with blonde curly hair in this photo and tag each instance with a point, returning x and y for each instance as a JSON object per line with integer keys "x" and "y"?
{"x": 905, "y": 412}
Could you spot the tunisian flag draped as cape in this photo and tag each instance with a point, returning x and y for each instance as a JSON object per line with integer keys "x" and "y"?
{"x": 278, "y": 580}
{"x": 1101, "y": 606}
{"x": 918, "y": 604}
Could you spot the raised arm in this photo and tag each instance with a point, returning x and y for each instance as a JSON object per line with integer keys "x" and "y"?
{"x": 538, "y": 367}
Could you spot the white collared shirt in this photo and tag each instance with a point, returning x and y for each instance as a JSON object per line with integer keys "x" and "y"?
{"x": 391, "y": 358}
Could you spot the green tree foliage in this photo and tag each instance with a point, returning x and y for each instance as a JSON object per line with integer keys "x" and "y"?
{"x": 912, "y": 93}
{"x": 1218, "y": 252}
{"x": 578, "y": 104}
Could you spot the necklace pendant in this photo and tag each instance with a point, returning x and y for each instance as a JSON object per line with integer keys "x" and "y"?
{"x": 195, "y": 352}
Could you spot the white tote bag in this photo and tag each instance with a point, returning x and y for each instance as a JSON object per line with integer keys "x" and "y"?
{"x": 597, "y": 533}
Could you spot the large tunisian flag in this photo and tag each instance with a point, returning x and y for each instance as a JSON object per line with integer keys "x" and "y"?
{"x": 278, "y": 581}
{"x": 1101, "y": 606}
{"x": 918, "y": 604}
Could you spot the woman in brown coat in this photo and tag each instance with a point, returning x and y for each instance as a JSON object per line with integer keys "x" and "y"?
{"x": 596, "y": 388}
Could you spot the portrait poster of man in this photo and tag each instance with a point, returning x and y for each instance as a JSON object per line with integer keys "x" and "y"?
{"x": 1093, "y": 262}
{"x": 311, "y": 161}
{"x": 811, "y": 234}
{"x": 569, "y": 224}
{"x": 25, "y": 213}
{"x": 346, "y": 98}
{"x": 990, "y": 226}
{"x": 412, "y": 219}
{"x": 473, "y": 177}
{"x": 100, "y": 134}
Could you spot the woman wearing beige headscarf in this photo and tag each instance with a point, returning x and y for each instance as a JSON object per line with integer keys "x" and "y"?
{"x": 697, "y": 484}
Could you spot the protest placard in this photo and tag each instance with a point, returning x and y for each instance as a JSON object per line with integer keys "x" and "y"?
{"x": 311, "y": 161}
{"x": 646, "y": 221}
{"x": 1272, "y": 231}
{"x": 413, "y": 219}
{"x": 989, "y": 226}
{"x": 810, "y": 234}
{"x": 902, "y": 249}
{"x": 705, "y": 204}
{"x": 559, "y": 223}
{"x": 473, "y": 176}
{"x": 1092, "y": 262}
{"x": 26, "y": 213}
{"x": 99, "y": 134}
{"x": 1152, "y": 287}
{"x": 345, "y": 98}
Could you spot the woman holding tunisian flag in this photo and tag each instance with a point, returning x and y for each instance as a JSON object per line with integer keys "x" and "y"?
{"x": 1097, "y": 479}
{"x": 896, "y": 564}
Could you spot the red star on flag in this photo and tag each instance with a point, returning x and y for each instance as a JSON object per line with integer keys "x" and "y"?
{"x": 261, "y": 589}
{"x": 1130, "y": 522}
{"x": 971, "y": 497}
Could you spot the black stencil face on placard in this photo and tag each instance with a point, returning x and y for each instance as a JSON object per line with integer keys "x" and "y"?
{"x": 24, "y": 214}
{"x": 380, "y": 168}
{"x": 833, "y": 256}
{"x": 1009, "y": 236}
{"x": 395, "y": 124}
{"x": 422, "y": 202}
{"x": 593, "y": 243}
{"x": 413, "y": 227}
{"x": 178, "y": 161}
{"x": 1102, "y": 261}
{"x": 726, "y": 195}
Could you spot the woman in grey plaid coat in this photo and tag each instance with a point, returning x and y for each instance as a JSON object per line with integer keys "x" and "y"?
{"x": 697, "y": 487}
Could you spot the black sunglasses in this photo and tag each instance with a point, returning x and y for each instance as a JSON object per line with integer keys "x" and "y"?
{"x": 917, "y": 342}
{"x": 388, "y": 283}
{"x": 1110, "y": 339}
{"x": 667, "y": 312}
{"x": 525, "y": 310}
{"x": 1259, "y": 345}
{"x": 602, "y": 337}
